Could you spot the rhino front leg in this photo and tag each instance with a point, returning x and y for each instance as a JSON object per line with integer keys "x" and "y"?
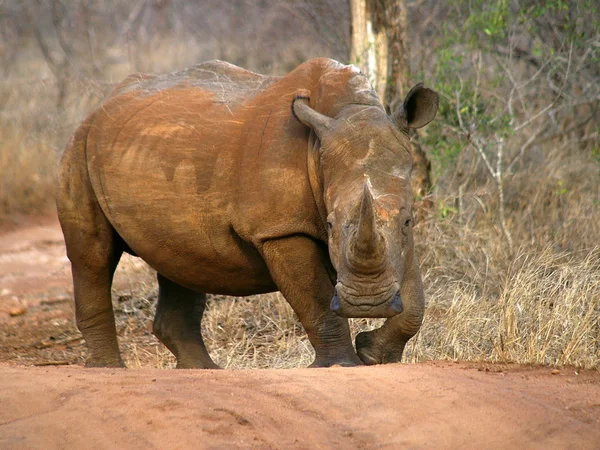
{"x": 177, "y": 324}
{"x": 297, "y": 266}
{"x": 386, "y": 344}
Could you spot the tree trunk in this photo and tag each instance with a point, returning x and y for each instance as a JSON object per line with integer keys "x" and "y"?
{"x": 369, "y": 43}
{"x": 398, "y": 72}
{"x": 380, "y": 50}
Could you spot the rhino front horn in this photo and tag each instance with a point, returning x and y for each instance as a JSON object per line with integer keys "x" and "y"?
{"x": 366, "y": 235}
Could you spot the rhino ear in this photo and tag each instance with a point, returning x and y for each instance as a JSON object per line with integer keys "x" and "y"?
{"x": 318, "y": 122}
{"x": 419, "y": 108}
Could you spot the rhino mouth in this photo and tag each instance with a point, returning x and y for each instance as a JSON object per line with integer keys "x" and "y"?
{"x": 347, "y": 302}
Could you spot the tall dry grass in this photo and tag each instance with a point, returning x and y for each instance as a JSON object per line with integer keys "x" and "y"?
{"x": 34, "y": 131}
{"x": 28, "y": 169}
{"x": 542, "y": 308}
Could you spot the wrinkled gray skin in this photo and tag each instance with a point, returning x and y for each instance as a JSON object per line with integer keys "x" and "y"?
{"x": 230, "y": 182}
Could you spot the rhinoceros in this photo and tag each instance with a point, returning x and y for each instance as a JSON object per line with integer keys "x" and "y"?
{"x": 230, "y": 182}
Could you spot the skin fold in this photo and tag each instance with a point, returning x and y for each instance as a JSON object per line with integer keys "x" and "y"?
{"x": 230, "y": 182}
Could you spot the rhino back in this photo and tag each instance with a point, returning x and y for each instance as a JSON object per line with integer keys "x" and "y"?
{"x": 228, "y": 83}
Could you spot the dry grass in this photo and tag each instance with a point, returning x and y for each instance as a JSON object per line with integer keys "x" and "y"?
{"x": 547, "y": 312}
{"x": 28, "y": 170}
{"x": 542, "y": 308}
{"x": 33, "y": 134}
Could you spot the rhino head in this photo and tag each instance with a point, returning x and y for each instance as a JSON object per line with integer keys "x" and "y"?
{"x": 365, "y": 166}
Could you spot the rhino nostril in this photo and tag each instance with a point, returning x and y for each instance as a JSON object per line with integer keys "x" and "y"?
{"x": 335, "y": 301}
{"x": 397, "y": 303}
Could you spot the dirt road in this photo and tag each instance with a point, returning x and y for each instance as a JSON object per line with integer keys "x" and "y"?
{"x": 431, "y": 405}
{"x": 440, "y": 405}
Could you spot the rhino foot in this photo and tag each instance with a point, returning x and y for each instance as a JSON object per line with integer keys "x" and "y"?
{"x": 329, "y": 362}
{"x": 197, "y": 364}
{"x": 373, "y": 349}
{"x": 366, "y": 349}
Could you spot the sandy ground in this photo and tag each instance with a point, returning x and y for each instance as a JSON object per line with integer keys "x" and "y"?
{"x": 431, "y": 405}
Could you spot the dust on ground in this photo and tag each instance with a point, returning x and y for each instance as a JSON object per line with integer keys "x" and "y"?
{"x": 431, "y": 405}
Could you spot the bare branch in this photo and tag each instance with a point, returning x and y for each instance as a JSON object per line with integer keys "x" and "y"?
{"x": 548, "y": 107}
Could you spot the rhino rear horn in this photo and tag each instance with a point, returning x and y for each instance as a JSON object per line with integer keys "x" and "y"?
{"x": 301, "y": 109}
{"x": 419, "y": 108}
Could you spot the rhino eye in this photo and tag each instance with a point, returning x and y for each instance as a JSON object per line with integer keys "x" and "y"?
{"x": 329, "y": 224}
{"x": 406, "y": 227}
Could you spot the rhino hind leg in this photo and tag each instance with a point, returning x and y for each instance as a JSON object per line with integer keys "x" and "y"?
{"x": 93, "y": 306}
{"x": 94, "y": 250}
{"x": 177, "y": 324}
